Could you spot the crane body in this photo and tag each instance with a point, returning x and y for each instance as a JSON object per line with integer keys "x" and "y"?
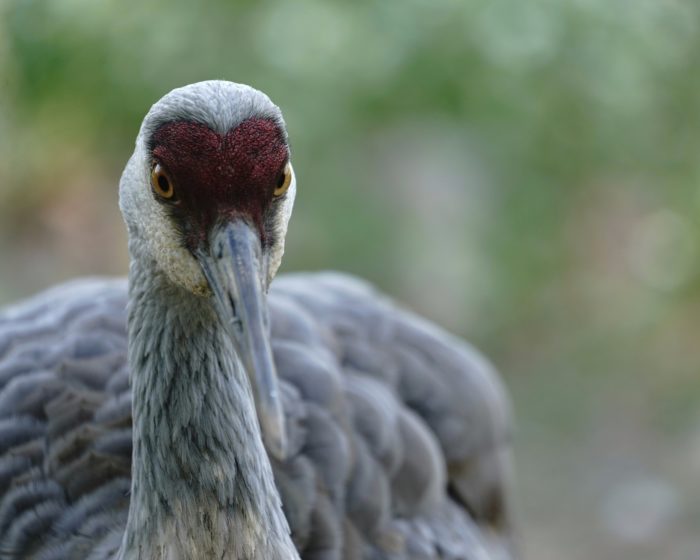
{"x": 191, "y": 414}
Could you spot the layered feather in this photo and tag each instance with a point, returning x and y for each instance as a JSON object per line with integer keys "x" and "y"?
{"x": 398, "y": 432}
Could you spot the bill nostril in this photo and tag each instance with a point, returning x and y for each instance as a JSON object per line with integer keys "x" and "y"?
{"x": 235, "y": 321}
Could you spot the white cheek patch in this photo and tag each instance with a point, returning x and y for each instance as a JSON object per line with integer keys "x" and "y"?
{"x": 172, "y": 258}
{"x": 280, "y": 227}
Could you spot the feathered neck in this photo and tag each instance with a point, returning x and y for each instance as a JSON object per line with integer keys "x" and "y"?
{"x": 202, "y": 483}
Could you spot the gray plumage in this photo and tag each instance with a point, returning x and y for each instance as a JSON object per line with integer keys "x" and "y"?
{"x": 396, "y": 432}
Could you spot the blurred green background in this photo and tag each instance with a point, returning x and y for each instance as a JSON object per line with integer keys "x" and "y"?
{"x": 524, "y": 173}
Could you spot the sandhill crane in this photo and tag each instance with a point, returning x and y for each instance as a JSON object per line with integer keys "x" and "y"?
{"x": 206, "y": 418}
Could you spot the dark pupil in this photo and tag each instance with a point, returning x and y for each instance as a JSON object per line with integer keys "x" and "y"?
{"x": 163, "y": 183}
{"x": 280, "y": 181}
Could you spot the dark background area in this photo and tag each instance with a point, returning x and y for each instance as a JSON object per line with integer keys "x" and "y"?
{"x": 524, "y": 173}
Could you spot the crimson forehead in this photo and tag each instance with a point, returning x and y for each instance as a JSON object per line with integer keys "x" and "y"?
{"x": 217, "y": 175}
{"x": 255, "y": 141}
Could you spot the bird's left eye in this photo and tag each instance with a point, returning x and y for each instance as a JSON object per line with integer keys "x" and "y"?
{"x": 161, "y": 183}
{"x": 284, "y": 181}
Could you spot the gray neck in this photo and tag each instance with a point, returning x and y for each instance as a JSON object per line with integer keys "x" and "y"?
{"x": 202, "y": 484}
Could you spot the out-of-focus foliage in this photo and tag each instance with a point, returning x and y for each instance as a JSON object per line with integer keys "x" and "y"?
{"x": 526, "y": 173}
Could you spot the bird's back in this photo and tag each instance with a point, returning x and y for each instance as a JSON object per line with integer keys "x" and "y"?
{"x": 398, "y": 432}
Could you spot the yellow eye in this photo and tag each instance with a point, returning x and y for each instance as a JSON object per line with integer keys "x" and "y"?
{"x": 284, "y": 181}
{"x": 161, "y": 183}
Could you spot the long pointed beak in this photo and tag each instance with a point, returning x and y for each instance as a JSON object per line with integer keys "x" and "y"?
{"x": 236, "y": 272}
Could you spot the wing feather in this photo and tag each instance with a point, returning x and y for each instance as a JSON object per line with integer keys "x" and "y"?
{"x": 398, "y": 432}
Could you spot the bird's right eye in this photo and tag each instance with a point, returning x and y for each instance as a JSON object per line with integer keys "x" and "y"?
{"x": 161, "y": 183}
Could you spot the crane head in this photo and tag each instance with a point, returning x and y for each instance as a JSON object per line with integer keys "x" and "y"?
{"x": 207, "y": 195}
